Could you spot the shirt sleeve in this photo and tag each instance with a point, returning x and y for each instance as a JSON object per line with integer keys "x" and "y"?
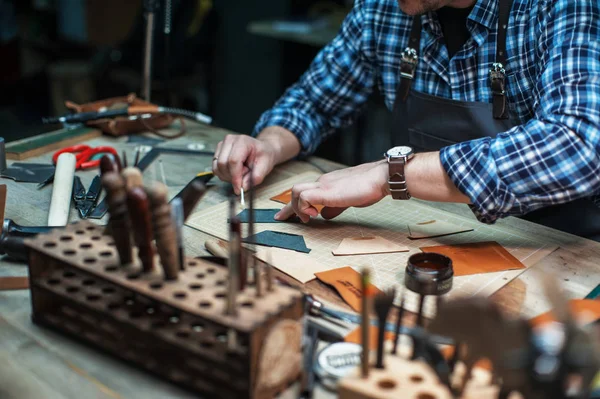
{"x": 554, "y": 157}
{"x": 331, "y": 93}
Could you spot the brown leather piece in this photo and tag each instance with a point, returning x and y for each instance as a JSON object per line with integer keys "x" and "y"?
{"x": 583, "y": 310}
{"x": 14, "y": 283}
{"x": 122, "y": 125}
{"x": 478, "y": 257}
{"x": 286, "y": 197}
{"x": 347, "y": 282}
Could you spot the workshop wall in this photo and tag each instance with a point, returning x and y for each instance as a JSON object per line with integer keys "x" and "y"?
{"x": 217, "y": 62}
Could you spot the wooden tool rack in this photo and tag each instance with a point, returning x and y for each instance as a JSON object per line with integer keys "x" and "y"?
{"x": 175, "y": 329}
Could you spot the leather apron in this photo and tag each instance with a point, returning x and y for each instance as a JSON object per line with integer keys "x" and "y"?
{"x": 428, "y": 123}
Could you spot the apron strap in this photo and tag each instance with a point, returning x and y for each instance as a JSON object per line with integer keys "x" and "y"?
{"x": 410, "y": 56}
{"x": 498, "y": 73}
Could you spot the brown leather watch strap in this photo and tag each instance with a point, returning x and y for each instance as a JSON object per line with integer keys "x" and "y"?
{"x": 397, "y": 181}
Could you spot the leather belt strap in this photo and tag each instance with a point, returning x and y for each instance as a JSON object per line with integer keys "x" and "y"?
{"x": 497, "y": 74}
{"x": 14, "y": 283}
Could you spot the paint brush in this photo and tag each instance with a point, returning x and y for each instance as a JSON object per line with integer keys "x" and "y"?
{"x": 234, "y": 258}
{"x": 251, "y": 263}
{"x": 137, "y": 156}
{"x": 400, "y": 315}
{"x": 270, "y": 276}
{"x": 124, "y": 159}
{"x": 364, "y": 324}
{"x": 383, "y": 303}
{"x": 242, "y": 200}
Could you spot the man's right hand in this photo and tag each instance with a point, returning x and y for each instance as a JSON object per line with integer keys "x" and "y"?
{"x": 236, "y": 154}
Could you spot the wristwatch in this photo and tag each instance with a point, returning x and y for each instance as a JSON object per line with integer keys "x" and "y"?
{"x": 397, "y": 158}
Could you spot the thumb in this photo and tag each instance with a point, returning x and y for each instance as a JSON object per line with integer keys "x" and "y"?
{"x": 331, "y": 212}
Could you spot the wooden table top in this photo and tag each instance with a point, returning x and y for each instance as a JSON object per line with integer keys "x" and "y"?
{"x": 36, "y": 362}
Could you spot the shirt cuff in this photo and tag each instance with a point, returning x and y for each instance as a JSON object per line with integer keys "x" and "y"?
{"x": 301, "y": 126}
{"x": 472, "y": 168}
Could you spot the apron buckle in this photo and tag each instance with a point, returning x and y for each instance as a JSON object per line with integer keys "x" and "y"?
{"x": 408, "y": 66}
{"x": 497, "y": 83}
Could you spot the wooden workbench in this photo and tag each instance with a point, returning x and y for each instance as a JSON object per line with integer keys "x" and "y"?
{"x": 35, "y": 362}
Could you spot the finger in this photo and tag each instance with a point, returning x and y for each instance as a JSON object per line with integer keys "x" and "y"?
{"x": 285, "y": 213}
{"x": 304, "y": 207}
{"x": 260, "y": 170}
{"x": 331, "y": 212}
{"x": 223, "y": 160}
{"x": 305, "y": 212}
{"x": 238, "y": 156}
{"x": 215, "y": 168}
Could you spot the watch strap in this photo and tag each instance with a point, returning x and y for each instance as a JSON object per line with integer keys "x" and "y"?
{"x": 397, "y": 180}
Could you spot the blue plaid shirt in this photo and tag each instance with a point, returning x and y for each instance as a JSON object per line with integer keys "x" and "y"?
{"x": 553, "y": 84}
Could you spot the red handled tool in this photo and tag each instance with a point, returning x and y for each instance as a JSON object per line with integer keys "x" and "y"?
{"x": 84, "y": 154}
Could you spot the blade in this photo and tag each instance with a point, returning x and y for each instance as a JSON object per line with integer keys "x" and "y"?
{"x": 94, "y": 190}
{"x": 79, "y": 195}
{"x": 2, "y": 204}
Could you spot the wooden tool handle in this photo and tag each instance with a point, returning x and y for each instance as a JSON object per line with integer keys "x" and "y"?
{"x": 190, "y": 196}
{"x": 218, "y": 248}
{"x": 62, "y": 188}
{"x": 107, "y": 165}
{"x": 141, "y": 220}
{"x": 120, "y": 225}
{"x": 164, "y": 230}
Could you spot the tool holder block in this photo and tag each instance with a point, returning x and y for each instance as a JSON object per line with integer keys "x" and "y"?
{"x": 175, "y": 329}
{"x": 405, "y": 379}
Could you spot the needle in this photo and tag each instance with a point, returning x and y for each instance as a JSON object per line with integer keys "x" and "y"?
{"x": 242, "y": 201}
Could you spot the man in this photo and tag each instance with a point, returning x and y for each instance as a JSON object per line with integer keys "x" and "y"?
{"x": 500, "y": 100}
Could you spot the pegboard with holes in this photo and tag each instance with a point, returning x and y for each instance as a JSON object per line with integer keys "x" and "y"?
{"x": 176, "y": 329}
{"x": 403, "y": 378}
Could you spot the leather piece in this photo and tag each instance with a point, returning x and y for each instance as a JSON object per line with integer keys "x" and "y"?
{"x": 279, "y": 240}
{"x": 14, "y": 283}
{"x": 585, "y": 311}
{"x": 264, "y": 216}
{"x": 478, "y": 257}
{"x": 367, "y": 245}
{"x": 299, "y": 266}
{"x": 347, "y": 282}
{"x": 434, "y": 228}
{"x": 286, "y": 197}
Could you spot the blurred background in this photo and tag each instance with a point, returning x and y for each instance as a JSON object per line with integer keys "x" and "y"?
{"x": 226, "y": 58}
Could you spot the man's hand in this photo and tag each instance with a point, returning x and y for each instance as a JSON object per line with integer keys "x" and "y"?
{"x": 237, "y": 154}
{"x": 359, "y": 186}
{"x": 367, "y": 184}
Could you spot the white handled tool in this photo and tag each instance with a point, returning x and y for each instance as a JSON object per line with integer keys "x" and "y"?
{"x": 60, "y": 204}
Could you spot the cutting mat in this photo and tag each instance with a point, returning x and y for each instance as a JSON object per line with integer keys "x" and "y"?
{"x": 389, "y": 219}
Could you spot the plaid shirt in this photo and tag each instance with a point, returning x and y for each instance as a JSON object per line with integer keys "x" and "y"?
{"x": 553, "y": 84}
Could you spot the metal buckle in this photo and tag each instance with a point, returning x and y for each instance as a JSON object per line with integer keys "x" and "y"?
{"x": 498, "y": 68}
{"x": 410, "y": 55}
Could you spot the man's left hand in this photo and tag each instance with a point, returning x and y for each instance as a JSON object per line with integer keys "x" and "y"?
{"x": 359, "y": 186}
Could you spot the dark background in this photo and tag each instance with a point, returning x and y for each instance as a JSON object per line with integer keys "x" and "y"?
{"x": 78, "y": 50}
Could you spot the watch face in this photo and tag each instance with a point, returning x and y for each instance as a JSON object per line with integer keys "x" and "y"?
{"x": 399, "y": 151}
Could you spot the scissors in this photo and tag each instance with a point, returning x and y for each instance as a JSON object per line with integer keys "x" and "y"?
{"x": 83, "y": 158}
{"x": 84, "y": 153}
{"x": 85, "y": 201}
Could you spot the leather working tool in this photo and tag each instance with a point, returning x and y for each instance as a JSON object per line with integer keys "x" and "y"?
{"x": 86, "y": 201}
{"x": 83, "y": 117}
